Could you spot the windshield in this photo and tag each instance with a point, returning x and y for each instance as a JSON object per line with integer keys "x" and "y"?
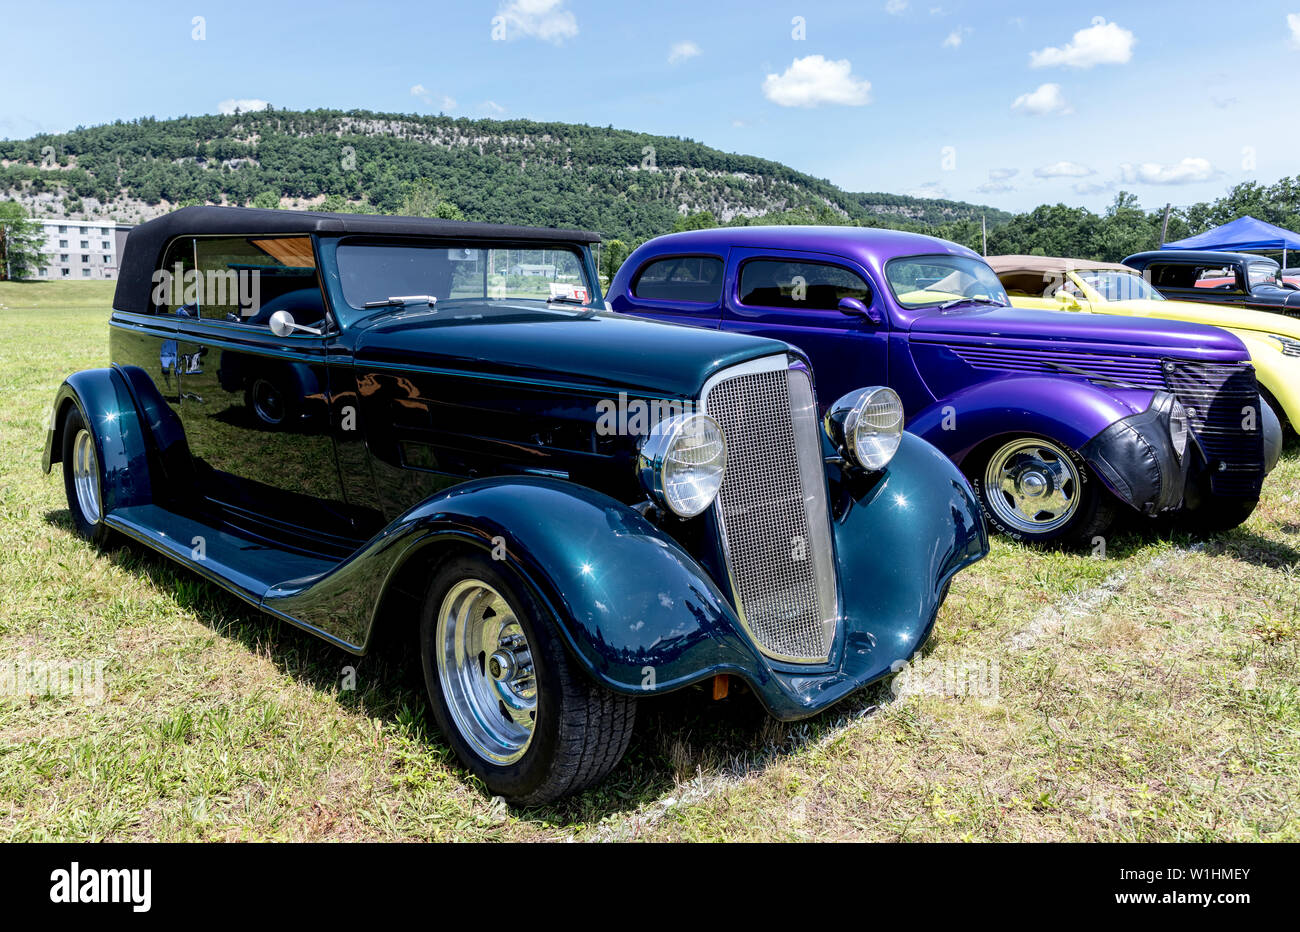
{"x": 1262, "y": 273}
{"x": 925, "y": 281}
{"x": 472, "y": 271}
{"x": 1114, "y": 285}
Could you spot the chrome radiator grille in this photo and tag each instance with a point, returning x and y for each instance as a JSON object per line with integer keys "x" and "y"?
{"x": 772, "y": 508}
{"x": 1217, "y": 397}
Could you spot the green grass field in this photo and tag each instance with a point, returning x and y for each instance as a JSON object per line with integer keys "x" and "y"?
{"x": 1149, "y": 695}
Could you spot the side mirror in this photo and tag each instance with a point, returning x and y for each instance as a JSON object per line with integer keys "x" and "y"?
{"x": 282, "y": 325}
{"x": 853, "y": 307}
{"x": 1067, "y": 301}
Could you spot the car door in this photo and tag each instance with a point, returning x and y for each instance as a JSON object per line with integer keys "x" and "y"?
{"x": 794, "y": 296}
{"x": 256, "y": 406}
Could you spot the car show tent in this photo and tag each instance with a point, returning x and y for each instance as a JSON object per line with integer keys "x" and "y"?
{"x": 1245, "y": 234}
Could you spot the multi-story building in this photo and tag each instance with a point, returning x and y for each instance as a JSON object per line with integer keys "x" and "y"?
{"x": 80, "y": 250}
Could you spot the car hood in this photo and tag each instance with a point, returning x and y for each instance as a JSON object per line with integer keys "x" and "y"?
{"x": 570, "y": 345}
{"x": 1069, "y": 329}
{"x": 1217, "y": 315}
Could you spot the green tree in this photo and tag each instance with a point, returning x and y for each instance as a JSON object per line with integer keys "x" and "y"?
{"x": 267, "y": 199}
{"x": 702, "y": 220}
{"x": 422, "y": 199}
{"x": 613, "y": 252}
{"x": 20, "y": 243}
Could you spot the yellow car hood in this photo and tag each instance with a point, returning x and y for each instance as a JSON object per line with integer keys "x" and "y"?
{"x": 1232, "y": 318}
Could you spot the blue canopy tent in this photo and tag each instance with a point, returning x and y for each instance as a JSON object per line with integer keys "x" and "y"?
{"x": 1245, "y": 234}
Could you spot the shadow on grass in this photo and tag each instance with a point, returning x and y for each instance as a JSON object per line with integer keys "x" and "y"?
{"x": 678, "y": 736}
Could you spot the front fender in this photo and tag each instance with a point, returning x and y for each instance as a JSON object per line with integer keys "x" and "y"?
{"x": 121, "y": 442}
{"x": 1277, "y": 373}
{"x": 900, "y": 537}
{"x": 1069, "y": 411}
{"x": 635, "y": 608}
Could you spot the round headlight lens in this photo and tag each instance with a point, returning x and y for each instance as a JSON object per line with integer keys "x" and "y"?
{"x": 683, "y": 461}
{"x": 874, "y": 428}
{"x": 1178, "y": 428}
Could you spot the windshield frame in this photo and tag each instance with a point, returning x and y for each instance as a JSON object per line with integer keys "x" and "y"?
{"x": 1005, "y": 300}
{"x": 348, "y": 314}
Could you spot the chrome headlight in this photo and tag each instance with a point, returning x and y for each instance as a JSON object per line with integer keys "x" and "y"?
{"x": 1179, "y": 427}
{"x": 1290, "y": 345}
{"x": 682, "y": 461}
{"x": 866, "y": 426}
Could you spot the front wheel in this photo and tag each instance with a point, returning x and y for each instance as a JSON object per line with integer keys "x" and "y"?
{"x": 505, "y": 693}
{"x": 1041, "y": 492}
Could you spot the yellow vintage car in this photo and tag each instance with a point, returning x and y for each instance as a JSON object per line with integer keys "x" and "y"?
{"x": 1110, "y": 288}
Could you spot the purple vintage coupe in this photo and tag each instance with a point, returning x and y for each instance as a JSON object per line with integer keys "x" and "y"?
{"x": 1061, "y": 420}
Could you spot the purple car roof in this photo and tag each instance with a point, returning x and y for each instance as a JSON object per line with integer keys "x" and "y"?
{"x": 870, "y": 246}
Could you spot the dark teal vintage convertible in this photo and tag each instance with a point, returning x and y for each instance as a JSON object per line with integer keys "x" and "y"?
{"x": 433, "y": 429}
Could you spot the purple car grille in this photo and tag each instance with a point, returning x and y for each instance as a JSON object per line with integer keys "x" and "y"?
{"x": 1222, "y": 402}
{"x": 1139, "y": 370}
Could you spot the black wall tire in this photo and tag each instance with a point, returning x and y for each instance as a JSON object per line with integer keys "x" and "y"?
{"x": 1215, "y": 514}
{"x": 269, "y": 402}
{"x": 83, "y": 479}
{"x": 579, "y": 729}
{"x": 1084, "y": 508}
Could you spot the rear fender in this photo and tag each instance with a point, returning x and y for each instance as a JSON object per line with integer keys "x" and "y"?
{"x": 108, "y": 409}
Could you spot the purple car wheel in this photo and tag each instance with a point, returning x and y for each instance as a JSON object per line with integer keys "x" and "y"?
{"x": 1035, "y": 490}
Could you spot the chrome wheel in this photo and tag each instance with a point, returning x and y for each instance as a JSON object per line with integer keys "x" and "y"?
{"x": 485, "y": 666}
{"x": 1032, "y": 486}
{"x": 85, "y": 475}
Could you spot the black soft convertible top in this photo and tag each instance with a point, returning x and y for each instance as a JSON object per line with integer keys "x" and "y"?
{"x": 145, "y": 243}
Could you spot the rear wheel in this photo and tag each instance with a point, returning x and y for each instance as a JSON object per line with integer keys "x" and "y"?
{"x": 506, "y": 694}
{"x": 1041, "y": 492}
{"x": 83, "y": 479}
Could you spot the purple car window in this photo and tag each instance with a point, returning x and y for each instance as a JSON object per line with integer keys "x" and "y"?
{"x": 681, "y": 278}
{"x": 799, "y": 285}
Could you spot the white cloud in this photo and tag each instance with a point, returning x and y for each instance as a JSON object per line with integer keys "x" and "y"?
{"x": 1186, "y": 171}
{"x": 931, "y": 189}
{"x": 1293, "y": 23}
{"x": 242, "y": 104}
{"x": 994, "y": 187}
{"x": 1063, "y": 169}
{"x": 1002, "y": 174}
{"x": 681, "y": 51}
{"x": 538, "y": 19}
{"x": 491, "y": 106}
{"x": 814, "y": 80}
{"x": 1102, "y": 43}
{"x": 1091, "y": 187}
{"x": 422, "y": 92}
{"x": 955, "y": 38}
{"x": 896, "y": 7}
{"x": 1047, "y": 99}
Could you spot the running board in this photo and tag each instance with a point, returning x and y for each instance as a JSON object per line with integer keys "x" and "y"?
{"x": 250, "y": 569}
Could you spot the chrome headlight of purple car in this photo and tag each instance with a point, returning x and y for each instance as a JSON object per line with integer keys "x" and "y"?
{"x": 682, "y": 462}
{"x": 1179, "y": 427}
{"x": 866, "y": 426}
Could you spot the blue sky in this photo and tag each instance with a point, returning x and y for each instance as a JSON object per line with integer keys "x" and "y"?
{"x": 1010, "y": 104}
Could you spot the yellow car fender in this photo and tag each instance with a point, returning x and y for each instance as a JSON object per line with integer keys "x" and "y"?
{"x": 1278, "y": 375}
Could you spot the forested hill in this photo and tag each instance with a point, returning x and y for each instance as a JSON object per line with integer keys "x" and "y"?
{"x": 624, "y": 184}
